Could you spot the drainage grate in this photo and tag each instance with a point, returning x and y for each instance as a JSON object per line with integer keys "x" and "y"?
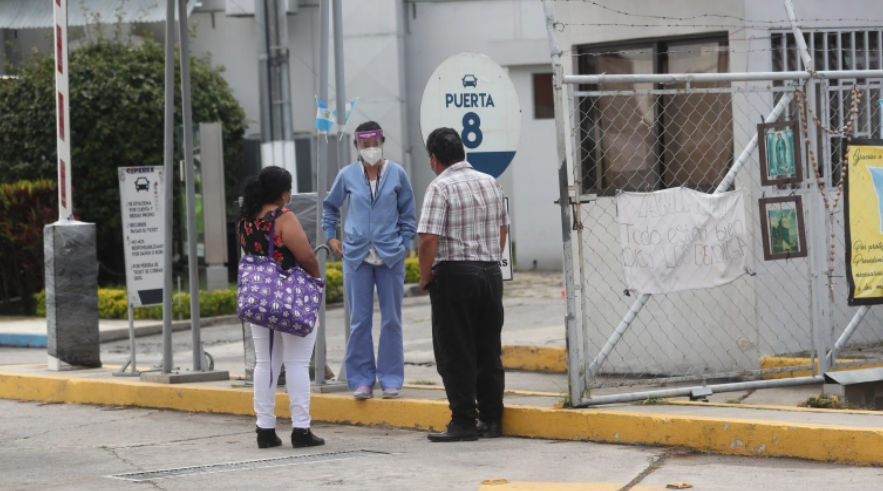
{"x": 246, "y": 465}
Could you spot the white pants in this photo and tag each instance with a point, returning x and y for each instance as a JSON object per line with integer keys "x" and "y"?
{"x": 294, "y": 352}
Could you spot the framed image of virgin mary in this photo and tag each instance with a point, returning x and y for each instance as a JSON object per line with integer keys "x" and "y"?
{"x": 779, "y": 148}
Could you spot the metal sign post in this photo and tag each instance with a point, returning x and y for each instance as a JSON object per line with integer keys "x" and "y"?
{"x": 342, "y": 149}
{"x": 186, "y": 111}
{"x": 321, "y": 177}
{"x": 168, "y": 163}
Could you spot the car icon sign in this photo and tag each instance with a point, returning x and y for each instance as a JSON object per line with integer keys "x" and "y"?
{"x": 142, "y": 184}
{"x": 470, "y": 80}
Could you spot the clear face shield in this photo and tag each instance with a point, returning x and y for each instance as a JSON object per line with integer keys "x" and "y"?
{"x": 370, "y": 145}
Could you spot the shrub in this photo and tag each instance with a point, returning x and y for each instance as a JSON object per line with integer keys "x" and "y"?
{"x": 412, "y": 270}
{"x": 333, "y": 285}
{"x": 112, "y": 305}
{"x": 25, "y": 207}
{"x": 117, "y": 101}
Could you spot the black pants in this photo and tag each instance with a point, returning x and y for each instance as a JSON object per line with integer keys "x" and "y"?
{"x": 467, "y": 318}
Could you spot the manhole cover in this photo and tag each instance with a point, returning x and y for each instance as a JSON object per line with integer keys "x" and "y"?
{"x": 246, "y": 465}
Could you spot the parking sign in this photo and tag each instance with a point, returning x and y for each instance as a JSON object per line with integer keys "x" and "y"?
{"x": 142, "y": 202}
{"x": 474, "y": 95}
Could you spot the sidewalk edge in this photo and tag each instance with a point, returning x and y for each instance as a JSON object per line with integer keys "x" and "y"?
{"x": 733, "y": 436}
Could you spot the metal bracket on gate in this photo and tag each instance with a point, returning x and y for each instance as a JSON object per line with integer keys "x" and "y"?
{"x": 585, "y": 198}
{"x": 700, "y": 394}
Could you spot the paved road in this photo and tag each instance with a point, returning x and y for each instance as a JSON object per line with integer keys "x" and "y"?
{"x": 69, "y": 447}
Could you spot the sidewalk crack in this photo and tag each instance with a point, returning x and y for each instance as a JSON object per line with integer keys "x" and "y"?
{"x": 50, "y": 430}
{"x": 657, "y": 462}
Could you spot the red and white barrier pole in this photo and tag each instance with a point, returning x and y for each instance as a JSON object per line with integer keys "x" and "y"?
{"x": 62, "y": 72}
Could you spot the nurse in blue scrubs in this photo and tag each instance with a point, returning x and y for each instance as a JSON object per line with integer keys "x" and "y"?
{"x": 381, "y": 221}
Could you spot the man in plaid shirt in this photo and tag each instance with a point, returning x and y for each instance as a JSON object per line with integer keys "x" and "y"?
{"x": 462, "y": 231}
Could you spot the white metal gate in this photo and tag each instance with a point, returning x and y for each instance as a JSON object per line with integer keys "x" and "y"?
{"x": 700, "y": 130}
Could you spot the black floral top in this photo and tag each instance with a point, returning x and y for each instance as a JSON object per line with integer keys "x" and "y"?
{"x": 254, "y": 237}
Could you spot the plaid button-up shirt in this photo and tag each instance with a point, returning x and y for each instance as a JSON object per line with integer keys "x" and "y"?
{"x": 465, "y": 208}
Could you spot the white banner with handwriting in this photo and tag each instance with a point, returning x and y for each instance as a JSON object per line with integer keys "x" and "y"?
{"x": 680, "y": 239}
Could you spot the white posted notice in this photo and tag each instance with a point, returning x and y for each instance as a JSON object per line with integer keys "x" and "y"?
{"x": 680, "y": 239}
{"x": 142, "y": 200}
{"x": 506, "y": 258}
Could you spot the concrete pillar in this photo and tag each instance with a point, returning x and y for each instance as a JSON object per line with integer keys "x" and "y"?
{"x": 71, "y": 295}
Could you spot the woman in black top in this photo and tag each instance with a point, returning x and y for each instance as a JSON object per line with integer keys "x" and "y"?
{"x": 265, "y": 198}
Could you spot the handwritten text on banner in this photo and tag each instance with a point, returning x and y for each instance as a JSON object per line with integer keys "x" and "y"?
{"x": 680, "y": 239}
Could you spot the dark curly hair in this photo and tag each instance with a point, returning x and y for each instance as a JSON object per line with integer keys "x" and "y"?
{"x": 446, "y": 145}
{"x": 267, "y": 187}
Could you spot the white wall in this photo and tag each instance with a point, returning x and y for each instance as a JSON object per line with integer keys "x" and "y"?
{"x": 536, "y": 228}
{"x": 372, "y": 65}
{"x": 512, "y": 33}
{"x": 232, "y": 43}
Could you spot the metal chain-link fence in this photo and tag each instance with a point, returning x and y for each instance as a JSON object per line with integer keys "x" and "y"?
{"x": 634, "y": 137}
{"x": 863, "y": 347}
{"x": 646, "y": 140}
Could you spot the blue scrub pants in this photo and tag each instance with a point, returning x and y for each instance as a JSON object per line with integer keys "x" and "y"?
{"x": 361, "y": 369}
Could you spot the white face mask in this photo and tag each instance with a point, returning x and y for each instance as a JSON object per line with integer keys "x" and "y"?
{"x": 371, "y": 155}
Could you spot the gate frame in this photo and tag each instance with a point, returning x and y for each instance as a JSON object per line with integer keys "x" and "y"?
{"x": 570, "y": 201}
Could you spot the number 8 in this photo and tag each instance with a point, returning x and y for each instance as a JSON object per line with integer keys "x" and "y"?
{"x": 471, "y": 126}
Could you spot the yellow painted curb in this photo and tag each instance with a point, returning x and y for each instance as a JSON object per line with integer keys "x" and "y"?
{"x": 770, "y": 362}
{"x": 769, "y": 407}
{"x": 535, "y": 358}
{"x": 504, "y": 485}
{"x": 842, "y": 444}
{"x": 507, "y": 391}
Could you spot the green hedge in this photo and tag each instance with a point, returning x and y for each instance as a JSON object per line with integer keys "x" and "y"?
{"x": 112, "y": 305}
{"x": 112, "y": 301}
{"x": 412, "y": 270}
{"x": 25, "y": 207}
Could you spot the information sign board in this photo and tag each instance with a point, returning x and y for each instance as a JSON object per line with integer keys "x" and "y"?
{"x": 142, "y": 199}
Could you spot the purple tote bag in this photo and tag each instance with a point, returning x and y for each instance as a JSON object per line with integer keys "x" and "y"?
{"x": 271, "y": 297}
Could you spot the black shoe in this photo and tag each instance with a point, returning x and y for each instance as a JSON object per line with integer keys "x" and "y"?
{"x": 267, "y": 438}
{"x": 303, "y": 437}
{"x": 490, "y": 429}
{"x": 455, "y": 432}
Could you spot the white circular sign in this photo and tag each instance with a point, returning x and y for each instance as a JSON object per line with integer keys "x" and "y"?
{"x": 474, "y": 95}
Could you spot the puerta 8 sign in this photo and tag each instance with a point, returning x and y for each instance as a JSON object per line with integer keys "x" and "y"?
{"x": 474, "y": 95}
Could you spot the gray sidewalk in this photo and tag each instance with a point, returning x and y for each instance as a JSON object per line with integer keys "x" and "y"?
{"x": 78, "y": 447}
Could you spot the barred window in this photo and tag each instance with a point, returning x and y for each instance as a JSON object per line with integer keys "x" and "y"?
{"x": 654, "y": 137}
{"x": 836, "y": 49}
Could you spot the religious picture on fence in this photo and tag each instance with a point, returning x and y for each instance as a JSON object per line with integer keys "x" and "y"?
{"x": 779, "y": 156}
{"x": 863, "y": 216}
{"x": 782, "y": 228}
{"x": 783, "y": 231}
{"x": 780, "y": 153}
